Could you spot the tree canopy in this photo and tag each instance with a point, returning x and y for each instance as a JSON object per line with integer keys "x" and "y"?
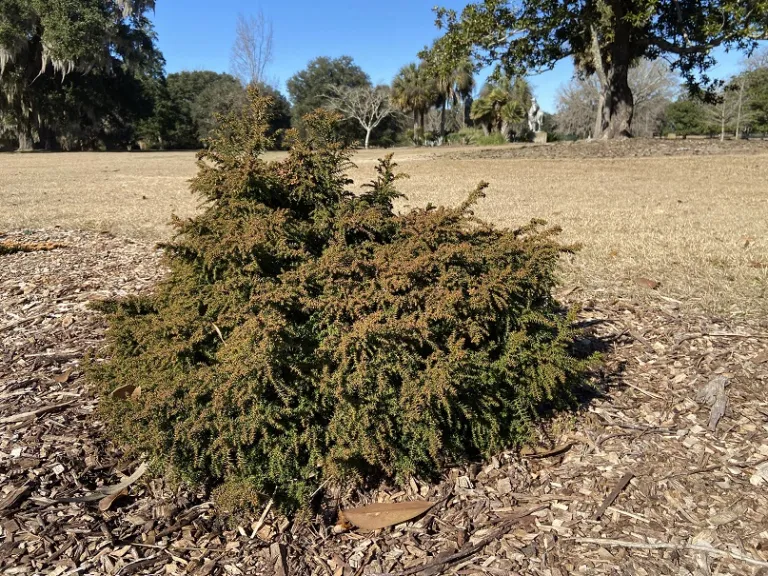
{"x": 415, "y": 90}
{"x": 503, "y": 106}
{"x": 43, "y": 42}
{"x": 605, "y": 37}
{"x": 309, "y": 89}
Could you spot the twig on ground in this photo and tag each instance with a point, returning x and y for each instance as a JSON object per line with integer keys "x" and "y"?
{"x": 613, "y": 495}
{"x": 649, "y": 394}
{"x": 669, "y": 546}
{"x": 467, "y": 551}
{"x": 22, "y": 416}
{"x": 692, "y": 472}
{"x": 736, "y": 335}
{"x": 263, "y": 517}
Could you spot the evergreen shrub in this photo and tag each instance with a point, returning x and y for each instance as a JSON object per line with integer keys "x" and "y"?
{"x": 305, "y": 334}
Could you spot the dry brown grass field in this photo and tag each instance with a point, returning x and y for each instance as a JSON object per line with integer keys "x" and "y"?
{"x": 690, "y": 215}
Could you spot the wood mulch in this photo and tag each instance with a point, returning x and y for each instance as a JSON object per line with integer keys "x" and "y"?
{"x": 665, "y": 472}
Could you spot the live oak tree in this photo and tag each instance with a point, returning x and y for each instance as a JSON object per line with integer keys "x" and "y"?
{"x": 605, "y": 37}
{"x": 309, "y": 88}
{"x": 653, "y": 87}
{"x": 44, "y": 42}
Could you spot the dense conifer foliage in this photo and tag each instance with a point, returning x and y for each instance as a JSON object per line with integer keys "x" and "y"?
{"x": 305, "y": 334}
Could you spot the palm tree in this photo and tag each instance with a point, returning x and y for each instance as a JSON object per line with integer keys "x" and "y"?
{"x": 454, "y": 86}
{"x": 502, "y": 105}
{"x": 413, "y": 90}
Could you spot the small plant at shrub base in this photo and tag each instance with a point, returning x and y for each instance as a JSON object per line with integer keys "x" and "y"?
{"x": 304, "y": 334}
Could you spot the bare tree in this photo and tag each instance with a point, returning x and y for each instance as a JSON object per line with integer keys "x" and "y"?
{"x": 252, "y": 50}
{"x": 724, "y": 111}
{"x": 367, "y": 104}
{"x": 741, "y": 84}
{"x": 756, "y": 61}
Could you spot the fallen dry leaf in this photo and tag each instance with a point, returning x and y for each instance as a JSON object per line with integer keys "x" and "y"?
{"x": 106, "y": 502}
{"x": 63, "y": 377}
{"x": 528, "y": 452}
{"x": 123, "y": 392}
{"x": 647, "y": 283}
{"x": 377, "y": 516}
{"x": 103, "y": 491}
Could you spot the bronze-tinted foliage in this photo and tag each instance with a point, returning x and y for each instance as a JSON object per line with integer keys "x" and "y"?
{"x": 306, "y": 334}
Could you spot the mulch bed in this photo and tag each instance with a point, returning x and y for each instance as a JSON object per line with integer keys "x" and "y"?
{"x": 652, "y": 477}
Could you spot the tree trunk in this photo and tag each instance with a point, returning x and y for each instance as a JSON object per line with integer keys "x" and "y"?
{"x": 442, "y": 123}
{"x": 616, "y": 100}
{"x": 739, "y": 112}
{"x": 422, "y": 122}
{"x": 598, "y": 131}
{"x": 415, "y": 127}
{"x": 618, "y": 107}
{"x": 367, "y": 137}
{"x": 26, "y": 138}
{"x": 722, "y": 123}
{"x": 597, "y": 60}
{"x": 467, "y": 116}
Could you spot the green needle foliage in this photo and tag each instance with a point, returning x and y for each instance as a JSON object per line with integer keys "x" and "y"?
{"x": 305, "y": 334}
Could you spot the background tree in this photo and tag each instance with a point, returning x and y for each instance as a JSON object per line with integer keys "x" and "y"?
{"x": 43, "y": 41}
{"x": 414, "y": 90}
{"x": 652, "y": 82}
{"x": 753, "y": 94}
{"x": 757, "y": 99}
{"x": 605, "y": 37}
{"x": 198, "y": 97}
{"x": 167, "y": 127}
{"x": 252, "y": 50}
{"x": 218, "y": 98}
{"x": 502, "y": 106}
{"x": 453, "y": 86}
{"x": 368, "y": 105}
{"x": 308, "y": 89}
{"x": 686, "y": 116}
{"x": 723, "y": 111}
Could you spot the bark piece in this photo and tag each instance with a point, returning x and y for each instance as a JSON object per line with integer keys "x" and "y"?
{"x": 13, "y": 498}
{"x": 613, "y": 495}
{"x": 21, "y": 417}
{"x": 715, "y": 395}
{"x": 277, "y": 552}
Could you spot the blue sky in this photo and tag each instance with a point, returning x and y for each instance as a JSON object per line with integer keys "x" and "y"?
{"x": 380, "y": 36}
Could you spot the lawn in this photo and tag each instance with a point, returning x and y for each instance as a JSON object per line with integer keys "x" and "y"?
{"x": 690, "y": 215}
